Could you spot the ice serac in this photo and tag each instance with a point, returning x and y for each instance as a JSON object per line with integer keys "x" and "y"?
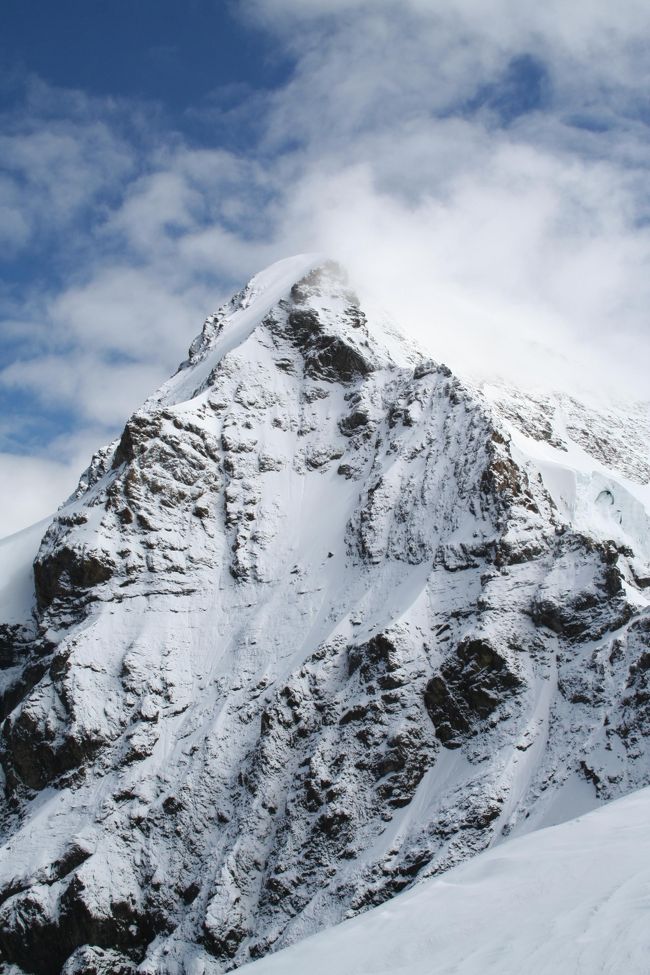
{"x": 320, "y": 624}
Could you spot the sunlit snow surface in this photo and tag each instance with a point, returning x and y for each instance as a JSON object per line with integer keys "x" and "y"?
{"x": 593, "y": 459}
{"x": 568, "y": 900}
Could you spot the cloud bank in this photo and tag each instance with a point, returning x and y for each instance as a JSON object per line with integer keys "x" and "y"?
{"x": 482, "y": 169}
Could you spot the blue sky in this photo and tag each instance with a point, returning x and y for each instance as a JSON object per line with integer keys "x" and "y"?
{"x": 172, "y": 53}
{"x": 481, "y": 167}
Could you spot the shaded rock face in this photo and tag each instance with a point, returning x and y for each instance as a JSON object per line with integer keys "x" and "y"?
{"x": 65, "y": 572}
{"x": 31, "y": 939}
{"x": 334, "y": 351}
{"x": 13, "y": 640}
{"x": 470, "y": 687}
{"x": 310, "y": 630}
{"x": 326, "y": 357}
{"x": 587, "y": 608}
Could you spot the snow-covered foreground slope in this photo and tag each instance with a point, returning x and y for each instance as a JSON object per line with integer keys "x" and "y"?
{"x": 568, "y": 900}
{"x": 323, "y": 622}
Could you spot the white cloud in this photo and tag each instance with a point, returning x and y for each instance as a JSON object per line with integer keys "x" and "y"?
{"x": 491, "y": 271}
{"x": 512, "y": 235}
{"x": 514, "y": 242}
{"x": 31, "y": 488}
{"x": 130, "y": 311}
{"x": 55, "y": 170}
{"x": 94, "y": 391}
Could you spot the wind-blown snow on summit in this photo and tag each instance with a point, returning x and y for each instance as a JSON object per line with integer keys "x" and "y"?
{"x": 324, "y": 621}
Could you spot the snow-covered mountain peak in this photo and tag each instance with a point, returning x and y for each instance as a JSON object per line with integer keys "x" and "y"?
{"x": 305, "y": 306}
{"x": 325, "y": 620}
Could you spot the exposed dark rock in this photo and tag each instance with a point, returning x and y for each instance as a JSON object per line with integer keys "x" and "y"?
{"x": 14, "y": 644}
{"x": 28, "y": 936}
{"x": 353, "y": 422}
{"x": 40, "y": 944}
{"x": 38, "y": 756}
{"x": 224, "y": 942}
{"x": 469, "y": 688}
{"x": 63, "y": 572}
{"x": 125, "y": 928}
{"x": 326, "y": 357}
{"x": 378, "y": 655}
{"x": 127, "y": 448}
{"x": 585, "y": 613}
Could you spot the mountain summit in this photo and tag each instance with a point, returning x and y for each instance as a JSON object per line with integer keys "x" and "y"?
{"x": 324, "y": 621}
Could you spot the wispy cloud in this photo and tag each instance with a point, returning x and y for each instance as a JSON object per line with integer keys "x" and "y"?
{"x": 483, "y": 166}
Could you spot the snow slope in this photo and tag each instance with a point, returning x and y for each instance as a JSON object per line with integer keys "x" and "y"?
{"x": 594, "y": 462}
{"x": 318, "y": 626}
{"x": 17, "y": 554}
{"x": 568, "y": 900}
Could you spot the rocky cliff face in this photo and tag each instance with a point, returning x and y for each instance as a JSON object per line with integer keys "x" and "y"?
{"x": 324, "y": 621}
